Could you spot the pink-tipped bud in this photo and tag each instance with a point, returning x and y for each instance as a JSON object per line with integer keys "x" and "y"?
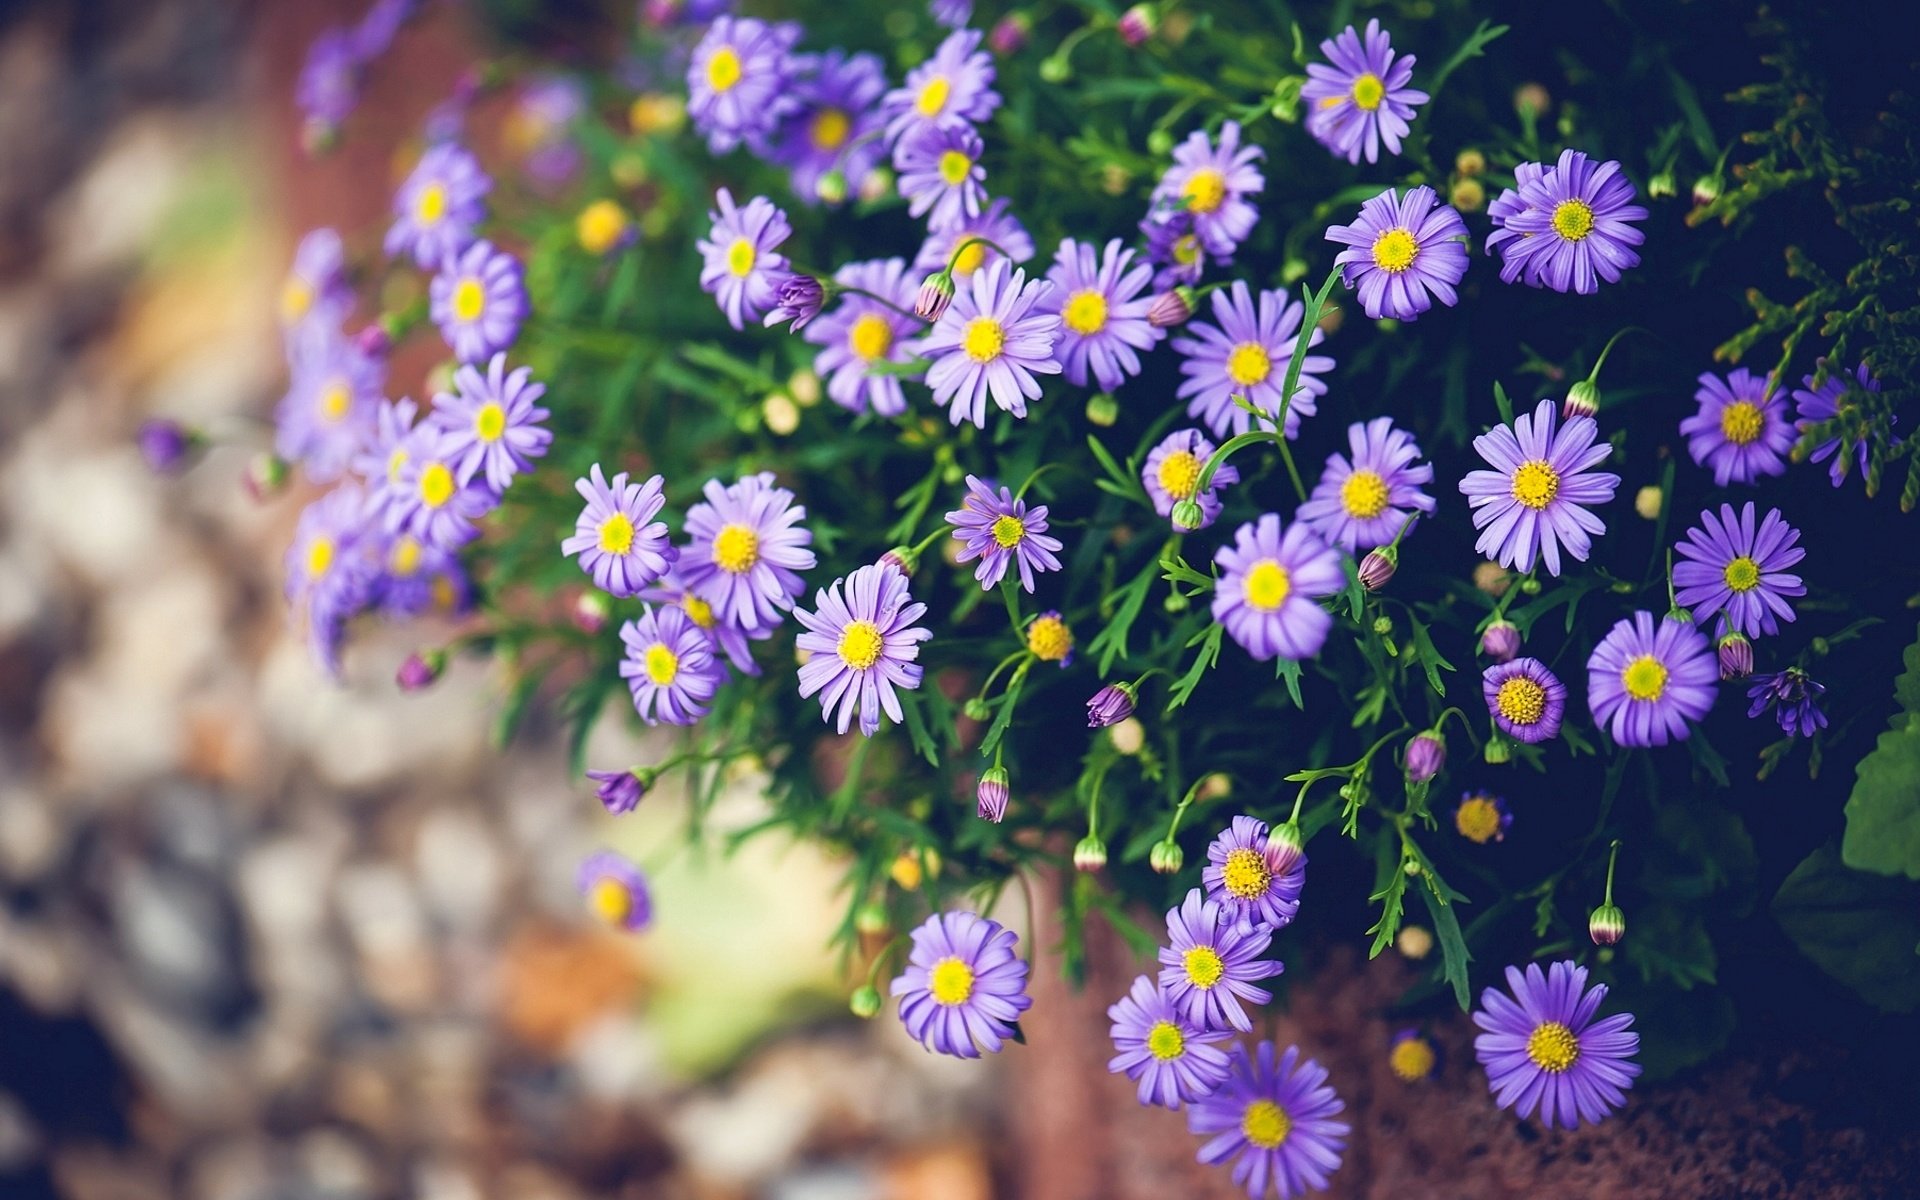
{"x": 420, "y": 670}
{"x": 1138, "y": 24}
{"x": 1110, "y": 705}
{"x": 1426, "y": 756}
{"x": 1171, "y": 308}
{"x": 1166, "y": 858}
{"x": 1736, "y": 656}
{"x": 1607, "y": 925}
{"x": 1090, "y": 854}
{"x": 1286, "y": 848}
{"x": 992, "y": 795}
{"x": 265, "y": 476}
{"x": 900, "y": 558}
{"x": 935, "y": 294}
{"x": 1010, "y": 34}
{"x": 1583, "y": 400}
{"x": 590, "y": 612}
{"x": 797, "y": 300}
{"x": 375, "y": 340}
{"x": 1377, "y": 568}
{"x": 1500, "y": 641}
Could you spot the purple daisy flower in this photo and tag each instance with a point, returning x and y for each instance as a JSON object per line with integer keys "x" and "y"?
{"x": 619, "y": 543}
{"x": 1255, "y": 877}
{"x": 333, "y": 391}
{"x": 954, "y": 14}
{"x": 478, "y": 300}
{"x": 383, "y": 455}
{"x": 863, "y": 645}
{"x": 1171, "y": 1058}
{"x": 954, "y": 87}
{"x": 329, "y": 82}
{"x": 439, "y": 207}
{"x": 1536, "y": 497}
{"x": 1362, "y": 101}
{"x": 1275, "y": 1118}
{"x": 1246, "y": 354}
{"x": 329, "y": 578}
{"x": 1741, "y": 431}
{"x": 1567, "y": 227}
{"x": 1645, "y": 683}
{"x": 1482, "y": 817}
{"x": 863, "y": 331}
{"x": 992, "y": 340}
{"x": 837, "y": 125}
{"x": 1362, "y": 503}
{"x": 316, "y": 293}
{"x": 1544, "y": 1051}
{"x": 432, "y": 504}
{"x": 739, "y": 81}
{"x": 1211, "y": 183}
{"x": 994, "y": 224}
{"x": 1211, "y": 964}
{"x": 1525, "y": 699}
{"x": 1103, "y": 317}
{"x": 616, "y": 890}
{"x": 1174, "y": 247}
{"x": 940, "y": 174}
{"x": 1172, "y": 472}
{"x": 1814, "y": 406}
{"x": 492, "y": 422}
{"x": 1405, "y": 252}
{"x": 540, "y": 128}
{"x": 1733, "y": 567}
{"x": 963, "y": 988}
{"x": 1270, "y": 579}
{"x": 669, "y": 667}
{"x": 1794, "y": 696}
{"x": 743, "y": 270}
{"x": 747, "y": 547}
{"x": 1000, "y": 530}
{"x": 733, "y": 640}
{"x": 417, "y": 578}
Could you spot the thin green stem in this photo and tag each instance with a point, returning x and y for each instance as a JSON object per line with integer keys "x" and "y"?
{"x": 1613, "y": 854}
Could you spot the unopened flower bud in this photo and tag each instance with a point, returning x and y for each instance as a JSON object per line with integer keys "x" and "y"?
{"x": 602, "y": 227}
{"x": 1468, "y": 195}
{"x": 1128, "y": 736}
{"x": 975, "y": 709}
{"x": 1383, "y": 625}
{"x": 1137, "y": 24}
{"x": 1583, "y": 400}
{"x": 375, "y": 340}
{"x": 1646, "y": 501}
{"x": 798, "y": 299}
{"x": 1055, "y": 69}
{"x": 1090, "y": 854}
{"x": 165, "y": 445}
{"x": 1736, "y": 655}
{"x": 1009, "y": 35}
{"x": 900, "y": 558}
{"x": 831, "y": 188}
{"x": 1110, "y": 705}
{"x": 1532, "y": 98}
{"x": 1377, "y": 568}
{"x": 910, "y": 869}
{"x": 1414, "y": 941}
{"x": 1498, "y": 750}
{"x": 1160, "y": 142}
{"x": 1500, "y": 641}
{"x": 1607, "y": 925}
{"x": 1286, "y": 847}
{"x": 1492, "y": 578}
{"x": 1663, "y": 186}
{"x": 992, "y": 795}
{"x": 1166, "y": 858}
{"x": 265, "y": 475}
{"x": 590, "y": 612}
{"x": 1103, "y": 410}
{"x": 935, "y": 294}
{"x": 1411, "y": 868}
{"x": 1217, "y": 785}
{"x": 1469, "y": 162}
{"x": 1706, "y": 190}
{"x": 871, "y": 918}
{"x": 420, "y": 669}
{"x": 1172, "y": 307}
{"x": 1188, "y": 515}
{"x": 865, "y": 1001}
{"x": 1426, "y": 756}
{"x": 620, "y": 791}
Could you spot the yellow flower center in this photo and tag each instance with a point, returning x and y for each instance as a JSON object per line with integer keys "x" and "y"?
{"x": 1536, "y": 483}
{"x": 490, "y": 422}
{"x": 436, "y": 485}
{"x": 698, "y": 611}
{"x": 469, "y": 300}
{"x": 319, "y": 556}
{"x": 1179, "y": 474}
{"x": 829, "y": 129}
{"x": 735, "y": 549}
{"x": 933, "y": 96}
{"x": 860, "y": 646}
{"x": 950, "y": 981}
{"x": 1204, "y": 967}
{"x": 1743, "y": 574}
{"x": 295, "y": 299}
{"x": 1572, "y": 219}
{"x": 1478, "y": 819}
{"x": 1521, "y": 700}
{"x": 1265, "y": 1124}
{"x": 1186, "y": 249}
{"x": 984, "y": 339}
{"x": 335, "y": 399}
{"x": 600, "y": 226}
{"x": 1552, "y": 1047}
{"x": 1740, "y": 422}
{"x": 1268, "y": 585}
{"x": 611, "y": 901}
{"x": 1249, "y": 364}
{"x": 1049, "y": 639}
{"x": 405, "y": 559}
{"x": 871, "y": 337}
{"x": 723, "y": 69}
{"x": 1165, "y": 1041}
{"x": 971, "y": 259}
{"x": 954, "y": 167}
{"x": 1246, "y": 874}
{"x": 1364, "y": 495}
{"x": 1394, "y": 251}
{"x": 1412, "y": 1059}
{"x": 740, "y": 258}
{"x": 1645, "y": 678}
{"x": 1008, "y": 531}
{"x": 1205, "y": 190}
{"x": 1368, "y": 91}
{"x": 662, "y": 664}
{"x": 431, "y": 204}
{"x": 1086, "y": 312}
{"x": 616, "y": 534}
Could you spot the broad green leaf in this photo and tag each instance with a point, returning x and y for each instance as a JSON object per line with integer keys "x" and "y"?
{"x": 1883, "y": 813}
{"x": 1861, "y": 929}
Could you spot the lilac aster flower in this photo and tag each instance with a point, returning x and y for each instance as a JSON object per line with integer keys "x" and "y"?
{"x": 1172, "y": 472}
{"x": 1275, "y": 1118}
{"x": 1154, "y": 1043}
{"x": 618, "y": 791}
{"x": 1103, "y": 316}
{"x": 333, "y": 390}
{"x": 743, "y": 269}
{"x": 619, "y": 543}
{"x": 1741, "y": 431}
{"x": 1406, "y": 251}
{"x": 1482, "y": 817}
{"x": 1814, "y": 406}
{"x": 439, "y": 207}
{"x": 963, "y": 988}
{"x": 669, "y": 667}
{"x": 384, "y": 453}
{"x": 616, "y": 890}
{"x": 954, "y": 87}
{"x": 940, "y": 174}
{"x": 316, "y": 293}
{"x": 1246, "y": 354}
{"x": 1362, "y": 503}
{"x": 432, "y": 504}
{"x": 416, "y": 578}
{"x": 1644, "y": 683}
{"x": 1362, "y": 101}
{"x": 1544, "y": 1051}
{"x": 1567, "y": 226}
{"x": 954, "y": 14}
{"x": 1536, "y": 497}
{"x": 746, "y": 550}
{"x": 492, "y": 422}
{"x": 992, "y": 340}
{"x": 1174, "y": 247}
{"x": 733, "y": 640}
{"x": 478, "y": 300}
{"x": 994, "y": 224}
{"x": 863, "y": 331}
{"x": 1794, "y": 696}
{"x": 863, "y": 645}
{"x": 1733, "y": 567}
{"x": 1000, "y": 530}
{"x": 328, "y": 573}
{"x": 1270, "y": 580}
{"x": 329, "y": 82}
{"x": 1211, "y": 184}
{"x": 837, "y": 124}
{"x": 797, "y": 301}
{"x": 1254, "y": 876}
{"x": 739, "y": 81}
{"x": 540, "y": 128}
{"x": 1210, "y": 965}
{"x": 1524, "y": 698}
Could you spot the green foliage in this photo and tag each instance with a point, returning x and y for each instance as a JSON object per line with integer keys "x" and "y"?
{"x": 1863, "y": 930}
{"x": 1883, "y": 813}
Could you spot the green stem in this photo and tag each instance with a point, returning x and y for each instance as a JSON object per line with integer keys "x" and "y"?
{"x": 1038, "y": 472}
{"x": 1594, "y": 375}
{"x": 878, "y": 299}
{"x": 1221, "y": 455}
{"x": 953, "y": 256}
{"x": 1613, "y": 855}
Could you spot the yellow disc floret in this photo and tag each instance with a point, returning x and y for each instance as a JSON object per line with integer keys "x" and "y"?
{"x": 1742, "y": 574}
{"x": 1411, "y": 1059}
{"x": 663, "y": 665}
{"x": 1203, "y": 966}
{"x": 1394, "y": 251}
{"x": 1478, "y": 819}
{"x": 1552, "y": 1047}
{"x": 1521, "y": 700}
{"x": 1049, "y": 639}
{"x": 1085, "y": 312}
{"x": 723, "y": 69}
{"x": 984, "y": 339}
{"x": 1265, "y": 1124}
{"x": 616, "y": 534}
{"x": 1740, "y": 422}
{"x": 1573, "y": 219}
{"x": 741, "y": 257}
{"x": 860, "y": 645}
{"x": 490, "y": 423}
{"x": 950, "y": 981}
{"x": 1645, "y": 678}
{"x": 1205, "y": 190}
{"x": 1249, "y": 363}
{"x": 1268, "y": 585}
{"x": 735, "y": 549}
{"x": 1535, "y": 483}
{"x": 436, "y": 485}
{"x": 933, "y": 96}
{"x": 1165, "y": 1041}
{"x": 1179, "y": 474}
{"x": 870, "y": 337}
{"x": 1368, "y": 91}
{"x": 1246, "y": 874}
{"x": 1364, "y": 495}
{"x": 1008, "y": 531}
{"x": 469, "y": 300}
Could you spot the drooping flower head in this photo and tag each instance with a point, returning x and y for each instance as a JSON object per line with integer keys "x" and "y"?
{"x": 1482, "y": 817}
{"x": 1646, "y": 681}
{"x": 1000, "y": 530}
{"x": 616, "y": 890}
{"x": 333, "y": 392}
{"x": 1544, "y": 1051}
{"x": 1211, "y": 183}
{"x": 963, "y": 987}
{"x": 941, "y": 176}
{"x": 1255, "y": 877}
{"x": 863, "y": 331}
{"x": 439, "y": 208}
{"x": 478, "y": 300}
{"x": 1172, "y": 1058}
{"x": 836, "y": 127}
{"x": 1814, "y": 406}
{"x": 1405, "y": 252}
{"x": 1362, "y": 502}
{"x": 1276, "y": 1120}
{"x": 492, "y": 423}
{"x": 1741, "y": 431}
{"x": 1731, "y": 565}
{"x": 1172, "y": 473}
{"x": 739, "y": 81}
{"x": 315, "y": 293}
{"x": 1361, "y": 101}
{"x": 1103, "y": 316}
{"x": 747, "y": 549}
{"x": 954, "y": 87}
{"x": 1535, "y": 500}
{"x": 1794, "y": 697}
{"x": 992, "y": 340}
{"x": 619, "y": 542}
{"x": 1212, "y": 964}
{"x": 669, "y": 667}
{"x": 863, "y": 637}
{"x": 1270, "y": 581}
{"x": 743, "y": 267}
{"x": 1246, "y": 354}
{"x": 1524, "y": 698}
{"x": 1567, "y": 226}
{"x": 994, "y": 224}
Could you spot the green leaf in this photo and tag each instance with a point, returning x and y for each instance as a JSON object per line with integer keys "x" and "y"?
{"x": 1454, "y": 957}
{"x": 1883, "y": 813}
{"x": 917, "y": 728}
{"x": 1390, "y": 892}
{"x": 1474, "y": 47}
{"x": 1431, "y": 660}
{"x": 1670, "y": 943}
{"x": 1209, "y": 641}
{"x": 1111, "y": 642}
{"x": 1861, "y": 929}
